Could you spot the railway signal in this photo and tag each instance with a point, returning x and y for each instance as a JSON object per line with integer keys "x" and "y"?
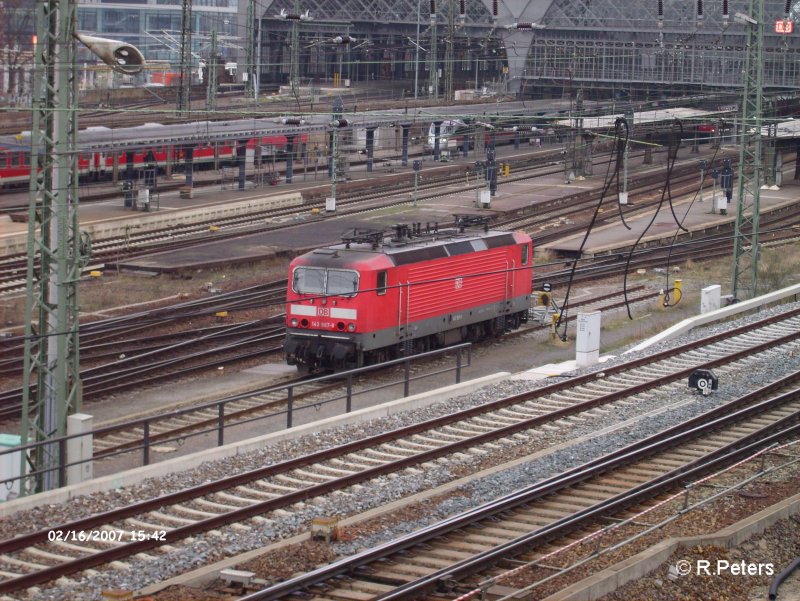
{"x": 704, "y": 381}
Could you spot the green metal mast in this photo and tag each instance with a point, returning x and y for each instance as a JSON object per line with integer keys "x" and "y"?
{"x": 449, "y": 57}
{"x": 294, "y": 67}
{"x": 51, "y": 378}
{"x": 213, "y": 65}
{"x": 250, "y": 45}
{"x": 434, "y": 59}
{"x": 185, "y": 84}
{"x": 745, "y": 244}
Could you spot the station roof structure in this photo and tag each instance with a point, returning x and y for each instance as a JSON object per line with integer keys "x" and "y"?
{"x": 650, "y": 117}
{"x": 154, "y": 134}
{"x": 784, "y": 129}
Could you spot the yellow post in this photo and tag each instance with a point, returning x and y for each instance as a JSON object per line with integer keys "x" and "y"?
{"x": 661, "y": 300}
{"x": 507, "y": 170}
{"x": 678, "y": 294}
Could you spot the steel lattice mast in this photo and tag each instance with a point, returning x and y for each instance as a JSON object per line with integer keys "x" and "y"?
{"x": 433, "y": 53}
{"x": 185, "y": 84}
{"x": 294, "y": 67}
{"x": 211, "y": 90}
{"x": 449, "y": 59}
{"x": 250, "y": 42}
{"x": 745, "y": 243}
{"x": 51, "y": 379}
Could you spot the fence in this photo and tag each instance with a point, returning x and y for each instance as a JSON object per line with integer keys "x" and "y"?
{"x": 225, "y": 418}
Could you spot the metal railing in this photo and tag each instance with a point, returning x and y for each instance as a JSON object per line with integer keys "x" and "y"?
{"x": 227, "y": 418}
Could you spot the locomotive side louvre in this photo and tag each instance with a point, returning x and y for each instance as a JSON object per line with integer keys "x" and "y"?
{"x": 409, "y": 298}
{"x": 447, "y": 287}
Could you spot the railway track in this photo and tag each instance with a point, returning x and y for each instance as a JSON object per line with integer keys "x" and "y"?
{"x": 13, "y": 269}
{"x": 126, "y": 351}
{"x": 459, "y": 556}
{"x": 265, "y": 403}
{"x": 200, "y": 349}
{"x": 41, "y": 556}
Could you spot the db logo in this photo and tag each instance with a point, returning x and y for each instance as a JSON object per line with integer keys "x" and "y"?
{"x": 323, "y": 312}
{"x": 459, "y": 283}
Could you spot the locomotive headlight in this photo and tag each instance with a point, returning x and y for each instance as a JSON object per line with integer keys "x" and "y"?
{"x": 294, "y": 322}
{"x": 351, "y": 327}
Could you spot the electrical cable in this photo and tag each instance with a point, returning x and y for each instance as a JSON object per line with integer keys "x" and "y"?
{"x": 563, "y": 314}
{"x": 677, "y": 231}
{"x": 672, "y": 156}
{"x": 622, "y": 147}
{"x": 668, "y": 183}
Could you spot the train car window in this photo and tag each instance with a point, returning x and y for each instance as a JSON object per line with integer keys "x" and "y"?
{"x": 525, "y": 254}
{"x": 341, "y": 282}
{"x": 382, "y": 282}
{"x": 16, "y": 160}
{"x": 308, "y": 280}
{"x": 3, "y": 159}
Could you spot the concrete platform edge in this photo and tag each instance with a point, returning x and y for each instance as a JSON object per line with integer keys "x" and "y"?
{"x": 723, "y": 313}
{"x": 101, "y": 229}
{"x": 188, "y": 462}
{"x": 640, "y": 565}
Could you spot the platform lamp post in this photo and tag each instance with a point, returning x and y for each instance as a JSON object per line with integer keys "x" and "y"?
{"x": 417, "y": 165}
{"x": 703, "y": 167}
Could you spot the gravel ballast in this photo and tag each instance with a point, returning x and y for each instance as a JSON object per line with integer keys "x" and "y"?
{"x": 188, "y": 555}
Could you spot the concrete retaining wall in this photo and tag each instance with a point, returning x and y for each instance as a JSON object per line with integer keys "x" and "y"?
{"x": 645, "y": 562}
{"x": 113, "y": 227}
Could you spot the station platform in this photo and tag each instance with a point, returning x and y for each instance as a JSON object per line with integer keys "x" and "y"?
{"x": 694, "y": 214}
{"x": 307, "y": 229}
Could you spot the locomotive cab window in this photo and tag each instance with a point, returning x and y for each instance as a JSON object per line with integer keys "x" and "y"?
{"x": 525, "y": 254}
{"x": 341, "y": 282}
{"x": 382, "y": 281}
{"x": 333, "y": 282}
{"x": 309, "y": 280}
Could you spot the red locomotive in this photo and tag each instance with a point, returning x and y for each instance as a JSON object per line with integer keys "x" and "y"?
{"x": 372, "y": 299}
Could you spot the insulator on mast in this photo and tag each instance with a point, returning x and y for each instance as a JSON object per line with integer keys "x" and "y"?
{"x": 699, "y": 10}
{"x": 494, "y": 8}
{"x": 725, "y": 13}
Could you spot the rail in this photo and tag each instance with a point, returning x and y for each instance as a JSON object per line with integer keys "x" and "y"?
{"x": 221, "y": 424}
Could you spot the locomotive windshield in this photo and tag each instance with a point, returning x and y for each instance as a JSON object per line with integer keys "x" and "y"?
{"x": 315, "y": 280}
{"x": 342, "y": 282}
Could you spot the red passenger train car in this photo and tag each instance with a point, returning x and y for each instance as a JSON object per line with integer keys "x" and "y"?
{"x": 15, "y": 162}
{"x": 372, "y": 299}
